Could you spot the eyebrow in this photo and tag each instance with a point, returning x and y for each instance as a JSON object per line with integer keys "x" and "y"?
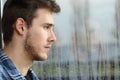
{"x": 49, "y": 24}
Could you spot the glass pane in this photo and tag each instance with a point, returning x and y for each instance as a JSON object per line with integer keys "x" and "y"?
{"x": 88, "y": 43}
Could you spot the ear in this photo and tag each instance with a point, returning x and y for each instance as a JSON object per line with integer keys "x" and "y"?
{"x": 20, "y": 26}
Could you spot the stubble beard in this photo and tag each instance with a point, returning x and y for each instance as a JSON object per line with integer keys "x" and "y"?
{"x": 29, "y": 48}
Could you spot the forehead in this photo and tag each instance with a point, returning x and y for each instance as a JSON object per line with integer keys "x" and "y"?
{"x": 44, "y": 15}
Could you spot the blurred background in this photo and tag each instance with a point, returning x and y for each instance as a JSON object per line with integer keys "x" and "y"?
{"x": 88, "y": 42}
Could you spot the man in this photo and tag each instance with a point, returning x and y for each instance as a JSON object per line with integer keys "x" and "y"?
{"x": 27, "y": 27}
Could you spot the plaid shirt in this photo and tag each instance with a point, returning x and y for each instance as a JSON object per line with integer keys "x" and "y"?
{"x": 9, "y": 72}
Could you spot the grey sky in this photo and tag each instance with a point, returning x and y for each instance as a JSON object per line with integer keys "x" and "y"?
{"x": 102, "y": 19}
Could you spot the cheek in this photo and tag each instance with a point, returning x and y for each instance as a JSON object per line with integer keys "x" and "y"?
{"x": 39, "y": 37}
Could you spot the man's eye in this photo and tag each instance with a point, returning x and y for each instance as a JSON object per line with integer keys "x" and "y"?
{"x": 47, "y": 27}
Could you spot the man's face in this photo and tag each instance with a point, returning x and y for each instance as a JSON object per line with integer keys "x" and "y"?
{"x": 40, "y": 35}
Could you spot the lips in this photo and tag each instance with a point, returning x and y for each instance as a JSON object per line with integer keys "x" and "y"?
{"x": 47, "y": 47}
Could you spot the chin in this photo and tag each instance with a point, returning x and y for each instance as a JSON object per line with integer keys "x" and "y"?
{"x": 41, "y": 58}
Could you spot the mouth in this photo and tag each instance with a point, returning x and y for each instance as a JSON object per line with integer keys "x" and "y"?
{"x": 47, "y": 47}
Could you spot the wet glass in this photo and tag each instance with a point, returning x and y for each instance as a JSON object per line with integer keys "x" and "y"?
{"x": 88, "y": 42}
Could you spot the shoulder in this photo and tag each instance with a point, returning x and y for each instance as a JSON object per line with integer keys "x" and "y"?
{"x": 3, "y": 73}
{"x": 1, "y": 68}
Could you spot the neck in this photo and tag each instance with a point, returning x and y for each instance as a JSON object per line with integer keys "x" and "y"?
{"x": 19, "y": 57}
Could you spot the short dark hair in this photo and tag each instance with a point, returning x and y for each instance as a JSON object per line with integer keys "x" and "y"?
{"x": 25, "y": 9}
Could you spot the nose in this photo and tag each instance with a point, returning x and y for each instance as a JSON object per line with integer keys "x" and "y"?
{"x": 52, "y": 37}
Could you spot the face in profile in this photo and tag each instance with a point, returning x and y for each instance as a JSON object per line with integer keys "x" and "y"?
{"x": 40, "y": 35}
